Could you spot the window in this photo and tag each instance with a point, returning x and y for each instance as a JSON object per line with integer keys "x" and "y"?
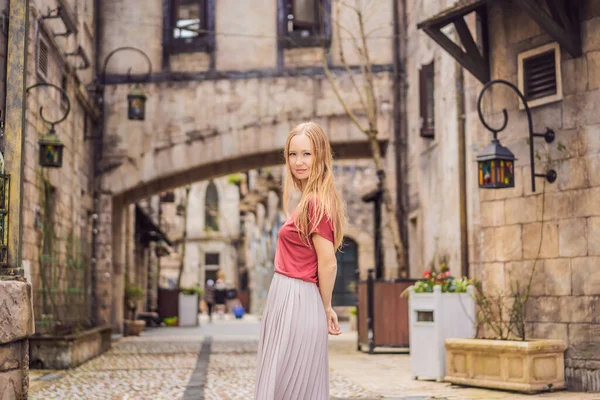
{"x": 211, "y": 259}
{"x": 426, "y": 98}
{"x": 540, "y": 75}
{"x": 306, "y": 23}
{"x": 211, "y": 208}
{"x": 42, "y": 58}
{"x": 192, "y": 25}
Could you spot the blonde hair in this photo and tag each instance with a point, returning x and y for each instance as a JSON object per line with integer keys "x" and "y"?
{"x": 319, "y": 189}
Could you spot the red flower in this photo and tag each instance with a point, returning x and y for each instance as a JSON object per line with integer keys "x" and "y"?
{"x": 427, "y": 274}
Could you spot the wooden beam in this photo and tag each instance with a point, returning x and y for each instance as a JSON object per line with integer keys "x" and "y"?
{"x": 570, "y": 40}
{"x": 466, "y": 38}
{"x": 472, "y": 62}
{"x": 559, "y": 13}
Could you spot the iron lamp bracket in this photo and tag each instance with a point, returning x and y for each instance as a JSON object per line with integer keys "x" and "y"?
{"x": 548, "y": 136}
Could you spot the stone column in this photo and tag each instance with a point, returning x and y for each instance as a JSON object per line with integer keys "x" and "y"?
{"x": 16, "y": 307}
{"x": 16, "y": 324}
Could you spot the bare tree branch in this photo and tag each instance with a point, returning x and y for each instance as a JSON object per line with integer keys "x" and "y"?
{"x": 336, "y": 91}
{"x": 343, "y": 60}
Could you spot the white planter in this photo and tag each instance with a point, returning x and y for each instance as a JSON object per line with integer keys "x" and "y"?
{"x": 188, "y": 309}
{"x": 433, "y": 317}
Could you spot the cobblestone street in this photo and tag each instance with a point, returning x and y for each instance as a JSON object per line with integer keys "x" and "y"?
{"x": 216, "y": 362}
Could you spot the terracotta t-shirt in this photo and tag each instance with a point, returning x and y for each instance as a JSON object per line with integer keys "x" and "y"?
{"x": 294, "y": 258}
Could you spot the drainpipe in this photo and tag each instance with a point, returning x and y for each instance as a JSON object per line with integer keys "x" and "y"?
{"x": 97, "y": 137}
{"x": 400, "y": 123}
{"x": 462, "y": 168}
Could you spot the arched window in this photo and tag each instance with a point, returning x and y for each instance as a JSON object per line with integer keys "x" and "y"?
{"x": 211, "y": 208}
{"x": 344, "y": 291}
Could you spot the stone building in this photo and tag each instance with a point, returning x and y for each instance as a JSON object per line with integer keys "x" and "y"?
{"x": 58, "y": 203}
{"x": 212, "y": 232}
{"x": 222, "y": 95}
{"x": 551, "y": 52}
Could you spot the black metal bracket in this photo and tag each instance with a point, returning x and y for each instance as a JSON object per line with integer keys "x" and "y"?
{"x": 98, "y": 86}
{"x": 61, "y": 12}
{"x": 80, "y": 52}
{"x": 62, "y": 92}
{"x": 548, "y": 136}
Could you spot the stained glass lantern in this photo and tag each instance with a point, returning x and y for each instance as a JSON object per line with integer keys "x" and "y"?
{"x": 496, "y": 167}
{"x": 51, "y": 150}
{"x": 136, "y": 104}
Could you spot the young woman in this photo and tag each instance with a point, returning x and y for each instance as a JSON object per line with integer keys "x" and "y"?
{"x": 292, "y": 362}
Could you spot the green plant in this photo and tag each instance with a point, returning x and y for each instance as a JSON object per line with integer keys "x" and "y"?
{"x": 193, "y": 290}
{"x": 171, "y": 321}
{"x": 353, "y": 311}
{"x": 235, "y": 179}
{"x": 443, "y": 278}
{"x": 133, "y": 294}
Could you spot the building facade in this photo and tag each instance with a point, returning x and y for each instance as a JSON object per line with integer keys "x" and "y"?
{"x": 550, "y": 53}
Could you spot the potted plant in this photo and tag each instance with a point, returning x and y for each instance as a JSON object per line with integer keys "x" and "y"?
{"x": 352, "y": 317}
{"x": 189, "y": 301}
{"x": 504, "y": 357}
{"x": 133, "y": 326}
{"x": 440, "y": 307}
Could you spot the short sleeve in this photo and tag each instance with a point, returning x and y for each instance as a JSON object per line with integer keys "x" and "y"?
{"x": 324, "y": 227}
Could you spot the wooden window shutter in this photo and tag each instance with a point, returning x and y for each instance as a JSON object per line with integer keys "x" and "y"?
{"x": 426, "y": 90}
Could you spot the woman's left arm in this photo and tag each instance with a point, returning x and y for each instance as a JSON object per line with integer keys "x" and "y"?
{"x": 327, "y": 270}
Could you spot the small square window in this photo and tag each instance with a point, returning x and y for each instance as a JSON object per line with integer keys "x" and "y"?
{"x": 427, "y": 101}
{"x": 191, "y": 24}
{"x": 211, "y": 259}
{"x": 305, "y": 23}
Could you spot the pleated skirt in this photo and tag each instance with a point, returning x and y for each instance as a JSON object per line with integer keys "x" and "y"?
{"x": 292, "y": 360}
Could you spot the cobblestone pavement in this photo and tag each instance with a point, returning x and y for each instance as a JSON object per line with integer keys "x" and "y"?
{"x": 216, "y": 362}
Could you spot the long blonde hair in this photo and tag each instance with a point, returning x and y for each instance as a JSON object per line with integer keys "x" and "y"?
{"x": 320, "y": 189}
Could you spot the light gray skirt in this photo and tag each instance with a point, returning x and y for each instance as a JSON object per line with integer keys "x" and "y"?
{"x": 292, "y": 362}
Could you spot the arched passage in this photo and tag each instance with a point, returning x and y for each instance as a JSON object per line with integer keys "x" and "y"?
{"x": 345, "y": 283}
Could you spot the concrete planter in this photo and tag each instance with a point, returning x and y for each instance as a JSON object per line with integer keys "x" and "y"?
{"x": 62, "y": 352}
{"x": 134, "y": 328}
{"x": 524, "y": 366}
{"x": 434, "y": 317}
{"x": 188, "y": 309}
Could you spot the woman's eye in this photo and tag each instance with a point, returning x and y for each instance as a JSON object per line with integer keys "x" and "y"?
{"x": 307, "y": 154}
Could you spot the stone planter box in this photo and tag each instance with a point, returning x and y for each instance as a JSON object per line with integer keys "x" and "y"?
{"x": 434, "y": 317}
{"x": 134, "y": 328}
{"x": 188, "y": 309}
{"x": 62, "y": 352}
{"x": 524, "y": 366}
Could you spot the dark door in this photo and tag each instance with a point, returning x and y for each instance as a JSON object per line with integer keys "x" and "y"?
{"x": 344, "y": 291}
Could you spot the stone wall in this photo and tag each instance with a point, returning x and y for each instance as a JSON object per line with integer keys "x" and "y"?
{"x": 65, "y": 212}
{"x": 564, "y": 215}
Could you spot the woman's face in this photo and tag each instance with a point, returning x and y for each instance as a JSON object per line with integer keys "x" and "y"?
{"x": 300, "y": 157}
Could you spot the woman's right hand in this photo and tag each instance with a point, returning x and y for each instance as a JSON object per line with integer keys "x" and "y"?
{"x": 332, "y": 322}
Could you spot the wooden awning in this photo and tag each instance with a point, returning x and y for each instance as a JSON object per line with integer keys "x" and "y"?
{"x": 559, "y": 19}
{"x": 473, "y": 58}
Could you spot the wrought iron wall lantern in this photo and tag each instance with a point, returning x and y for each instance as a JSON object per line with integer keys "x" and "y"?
{"x": 496, "y": 162}
{"x": 51, "y": 148}
{"x": 136, "y": 99}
